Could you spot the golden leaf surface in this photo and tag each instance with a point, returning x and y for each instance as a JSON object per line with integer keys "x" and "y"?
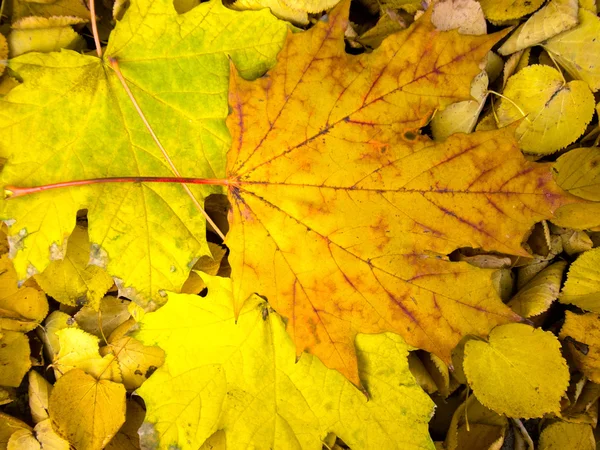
{"x": 522, "y": 360}
{"x": 584, "y": 329}
{"x": 342, "y": 213}
{"x": 582, "y": 287}
{"x": 565, "y": 435}
{"x": 86, "y": 411}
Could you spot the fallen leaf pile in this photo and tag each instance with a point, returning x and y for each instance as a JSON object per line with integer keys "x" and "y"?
{"x": 410, "y": 206}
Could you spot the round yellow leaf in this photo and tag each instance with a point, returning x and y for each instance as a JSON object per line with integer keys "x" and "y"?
{"x": 502, "y": 10}
{"x": 79, "y": 349}
{"x": 14, "y": 358}
{"x": 578, "y": 216}
{"x": 567, "y": 436}
{"x": 520, "y": 372}
{"x": 582, "y": 287}
{"x": 86, "y": 411}
{"x": 538, "y": 294}
{"x": 578, "y": 172}
{"x": 557, "y": 113}
{"x": 21, "y": 308}
{"x": 72, "y": 280}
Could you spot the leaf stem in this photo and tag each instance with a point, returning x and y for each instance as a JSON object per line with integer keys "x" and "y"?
{"x": 15, "y": 191}
{"x": 95, "y": 29}
{"x": 115, "y": 65}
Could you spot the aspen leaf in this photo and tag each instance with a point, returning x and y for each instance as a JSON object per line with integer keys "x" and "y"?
{"x": 146, "y": 235}
{"x": 242, "y": 377}
{"x": 554, "y": 18}
{"x": 21, "y": 308}
{"x": 503, "y": 10}
{"x": 557, "y": 113}
{"x": 585, "y": 329}
{"x": 578, "y": 50}
{"x": 578, "y": 172}
{"x": 112, "y": 313}
{"x": 79, "y": 349}
{"x": 522, "y": 360}
{"x": 336, "y": 173}
{"x": 39, "y": 396}
{"x": 582, "y": 287}
{"x": 71, "y": 280}
{"x": 538, "y": 294}
{"x": 14, "y": 358}
{"x": 86, "y": 411}
{"x": 564, "y": 435}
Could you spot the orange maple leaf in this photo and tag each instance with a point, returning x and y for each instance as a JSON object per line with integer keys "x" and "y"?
{"x": 342, "y": 214}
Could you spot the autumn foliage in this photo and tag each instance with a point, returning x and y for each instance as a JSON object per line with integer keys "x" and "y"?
{"x": 369, "y": 232}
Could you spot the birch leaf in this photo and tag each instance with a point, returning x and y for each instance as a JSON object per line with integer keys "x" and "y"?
{"x": 523, "y": 361}
{"x": 582, "y": 287}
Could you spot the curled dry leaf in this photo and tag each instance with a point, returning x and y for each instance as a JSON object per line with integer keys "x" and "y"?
{"x": 578, "y": 50}
{"x": 584, "y": 329}
{"x": 523, "y": 361}
{"x": 39, "y": 396}
{"x": 554, "y": 18}
{"x": 582, "y": 287}
{"x": 538, "y": 294}
{"x": 337, "y": 173}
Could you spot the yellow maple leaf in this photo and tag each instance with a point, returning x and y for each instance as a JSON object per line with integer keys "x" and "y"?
{"x": 342, "y": 213}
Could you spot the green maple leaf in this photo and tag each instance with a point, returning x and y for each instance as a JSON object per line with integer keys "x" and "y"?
{"x": 71, "y": 119}
{"x": 242, "y": 378}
